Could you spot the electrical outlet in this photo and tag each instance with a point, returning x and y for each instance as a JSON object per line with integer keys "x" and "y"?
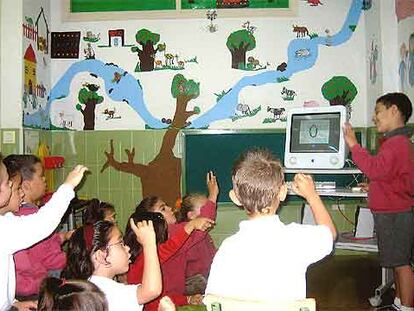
{"x": 336, "y": 207}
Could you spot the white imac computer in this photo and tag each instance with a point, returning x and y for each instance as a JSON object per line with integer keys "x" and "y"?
{"x": 314, "y": 138}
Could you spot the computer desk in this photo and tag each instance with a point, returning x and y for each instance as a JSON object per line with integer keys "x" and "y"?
{"x": 387, "y": 278}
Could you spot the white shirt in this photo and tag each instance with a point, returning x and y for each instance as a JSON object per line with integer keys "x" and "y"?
{"x": 20, "y": 232}
{"x": 119, "y": 296}
{"x": 267, "y": 260}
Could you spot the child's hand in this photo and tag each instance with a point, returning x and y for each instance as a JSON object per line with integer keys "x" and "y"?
{"x": 25, "y": 305}
{"x": 75, "y": 176}
{"x": 196, "y": 299}
{"x": 349, "y": 135}
{"x": 364, "y": 186}
{"x": 212, "y": 186}
{"x": 304, "y": 186}
{"x": 199, "y": 223}
{"x": 144, "y": 231}
{"x": 166, "y": 304}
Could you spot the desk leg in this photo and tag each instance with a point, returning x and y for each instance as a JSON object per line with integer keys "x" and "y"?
{"x": 387, "y": 279}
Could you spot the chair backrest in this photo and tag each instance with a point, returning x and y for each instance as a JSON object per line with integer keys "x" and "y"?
{"x": 219, "y": 303}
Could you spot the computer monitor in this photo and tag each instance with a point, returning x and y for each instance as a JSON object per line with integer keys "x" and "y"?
{"x": 314, "y": 138}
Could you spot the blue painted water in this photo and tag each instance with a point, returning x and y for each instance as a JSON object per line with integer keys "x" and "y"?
{"x": 302, "y": 55}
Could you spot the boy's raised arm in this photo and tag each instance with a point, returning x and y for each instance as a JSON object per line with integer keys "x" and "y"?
{"x": 304, "y": 186}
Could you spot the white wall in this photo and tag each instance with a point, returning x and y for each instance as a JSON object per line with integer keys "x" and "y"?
{"x": 11, "y": 64}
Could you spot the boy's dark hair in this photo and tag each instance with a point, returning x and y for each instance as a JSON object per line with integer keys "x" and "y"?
{"x": 77, "y": 295}
{"x": 257, "y": 176}
{"x": 24, "y": 163}
{"x": 79, "y": 263}
{"x": 147, "y": 204}
{"x": 160, "y": 228}
{"x": 187, "y": 205}
{"x": 401, "y": 101}
{"x": 95, "y": 211}
{"x": 12, "y": 165}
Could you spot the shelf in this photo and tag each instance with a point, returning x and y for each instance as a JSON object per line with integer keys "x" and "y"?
{"x": 346, "y": 170}
{"x": 338, "y": 192}
{"x": 369, "y": 245}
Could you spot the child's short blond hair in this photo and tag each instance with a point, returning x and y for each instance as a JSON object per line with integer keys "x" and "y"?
{"x": 257, "y": 177}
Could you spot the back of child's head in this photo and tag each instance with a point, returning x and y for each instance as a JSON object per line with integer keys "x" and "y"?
{"x": 147, "y": 204}
{"x": 160, "y": 228}
{"x": 257, "y": 177}
{"x": 401, "y": 101}
{"x": 25, "y": 163}
{"x": 96, "y": 210}
{"x": 12, "y": 165}
{"x": 188, "y": 204}
{"x": 77, "y": 295}
{"x": 83, "y": 243}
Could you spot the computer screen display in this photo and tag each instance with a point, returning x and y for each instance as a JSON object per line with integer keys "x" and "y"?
{"x": 315, "y": 133}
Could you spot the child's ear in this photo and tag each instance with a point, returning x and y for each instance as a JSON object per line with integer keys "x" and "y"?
{"x": 234, "y": 198}
{"x": 190, "y": 215}
{"x": 100, "y": 257}
{"x": 25, "y": 186}
{"x": 282, "y": 192}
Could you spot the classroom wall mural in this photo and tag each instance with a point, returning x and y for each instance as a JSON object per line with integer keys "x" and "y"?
{"x": 250, "y": 72}
{"x": 36, "y": 60}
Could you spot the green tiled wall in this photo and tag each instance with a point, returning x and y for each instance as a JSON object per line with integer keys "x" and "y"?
{"x": 124, "y": 190}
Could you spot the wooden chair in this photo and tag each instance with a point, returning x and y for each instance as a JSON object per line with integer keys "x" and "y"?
{"x": 236, "y": 304}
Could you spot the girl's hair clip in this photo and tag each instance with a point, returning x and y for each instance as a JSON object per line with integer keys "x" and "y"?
{"x": 178, "y": 203}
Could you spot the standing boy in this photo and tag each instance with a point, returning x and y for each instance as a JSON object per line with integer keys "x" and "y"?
{"x": 266, "y": 259}
{"x": 391, "y": 190}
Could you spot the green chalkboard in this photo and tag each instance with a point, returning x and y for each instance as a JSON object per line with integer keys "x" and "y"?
{"x": 217, "y": 150}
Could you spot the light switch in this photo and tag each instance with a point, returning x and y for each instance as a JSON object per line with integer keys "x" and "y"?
{"x": 9, "y": 137}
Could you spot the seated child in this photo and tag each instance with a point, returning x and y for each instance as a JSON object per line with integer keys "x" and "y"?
{"x": 17, "y": 233}
{"x": 75, "y": 295}
{"x": 175, "y": 267}
{"x": 98, "y": 253}
{"x": 34, "y": 263}
{"x": 266, "y": 259}
{"x": 200, "y": 256}
{"x": 167, "y": 247}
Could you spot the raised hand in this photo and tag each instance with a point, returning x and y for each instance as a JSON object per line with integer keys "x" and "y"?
{"x": 199, "y": 223}
{"x": 144, "y": 231}
{"x": 212, "y": 186}
{"x": 75, "y": 176}
{"x": 349, "y": 135}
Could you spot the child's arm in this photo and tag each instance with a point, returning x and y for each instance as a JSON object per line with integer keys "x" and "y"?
{"x": 304, "y": 186}
{"x": 27, "y": 230}
{"x": 151, "y": 281}
{"x": 209, "y": 209}
{"x": 49, "y": 253}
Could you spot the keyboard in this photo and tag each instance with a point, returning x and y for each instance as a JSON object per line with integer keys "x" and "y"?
{"x": 325, "y": 185}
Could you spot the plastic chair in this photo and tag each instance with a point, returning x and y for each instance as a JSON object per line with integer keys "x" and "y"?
{"x": 219, "y": 303}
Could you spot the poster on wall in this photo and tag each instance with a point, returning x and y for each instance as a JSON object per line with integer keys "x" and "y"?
{"x": 234, "y": 4}
{"x": 77, "y": 6}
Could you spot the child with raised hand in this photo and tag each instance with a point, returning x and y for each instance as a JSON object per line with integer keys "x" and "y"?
{"x": 167, "y": 247}
{"x": 391, "y": 190}
{"x": 74, "y": 295}
{"x": 176, "y": 266}
{"x": 34, "y": 263}
{"x": 267, "y": 260}
{"x": 18, "y": 232}
{"x": 98, "y": 253}
{"x": 200, "y": 256}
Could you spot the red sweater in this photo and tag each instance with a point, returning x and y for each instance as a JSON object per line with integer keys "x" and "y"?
{"x": 391, "y": 174}
{"x": 174, "y": 259}
{"x": 34, "y": 263}
{"x": 165, "y": 251}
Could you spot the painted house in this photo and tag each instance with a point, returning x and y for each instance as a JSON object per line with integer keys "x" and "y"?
{"x": 30, "y": 80}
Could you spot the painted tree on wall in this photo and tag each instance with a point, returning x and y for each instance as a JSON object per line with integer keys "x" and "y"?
{"x": 146, "y": 53}
{"x": 162, "y": 175}
{"x": 88, "y": 99}
{"x": 339, "y": 91}
{"x": 239, "y": 42}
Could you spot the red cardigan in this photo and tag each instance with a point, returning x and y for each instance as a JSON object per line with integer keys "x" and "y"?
{"x": 391, "y": 174}
{"x": 174, "y": 255}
